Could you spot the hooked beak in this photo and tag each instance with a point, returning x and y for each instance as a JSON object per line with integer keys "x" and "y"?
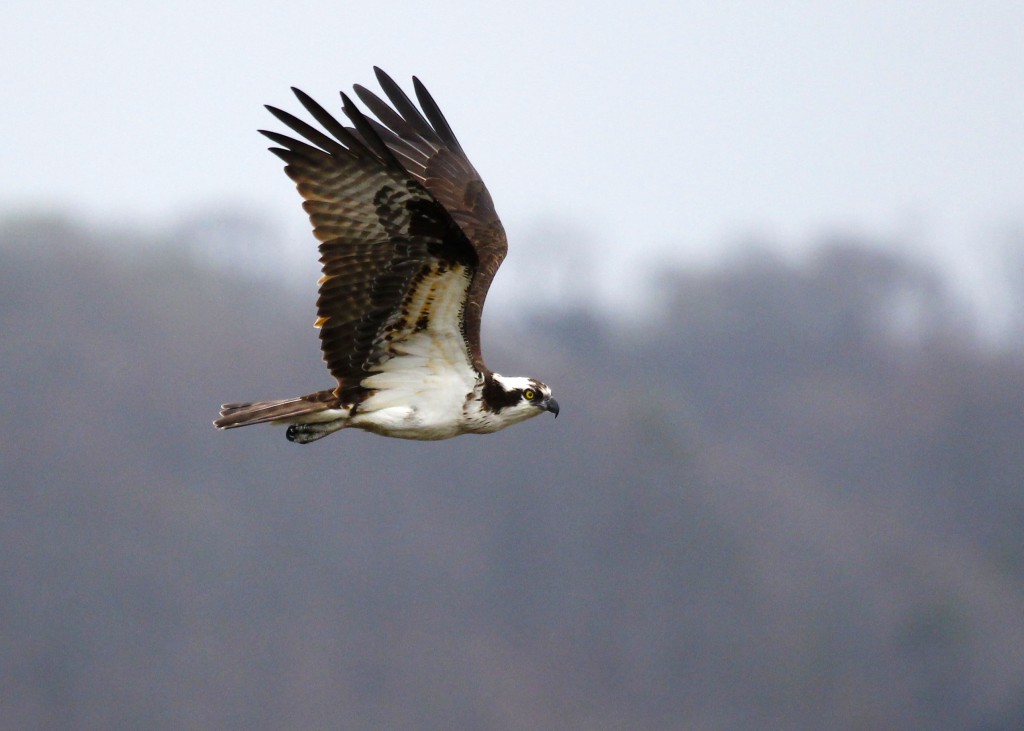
{"x": 552, "y": 406}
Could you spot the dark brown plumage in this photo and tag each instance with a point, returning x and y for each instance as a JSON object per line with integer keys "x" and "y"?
{"x": 387, "y": 200}
{"x": 409, "y": 245}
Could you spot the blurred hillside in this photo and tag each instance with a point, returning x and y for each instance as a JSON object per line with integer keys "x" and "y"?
{"x": 793, "y": 501}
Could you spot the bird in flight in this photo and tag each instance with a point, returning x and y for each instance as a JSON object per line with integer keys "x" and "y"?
{"x": 409, "y": 243}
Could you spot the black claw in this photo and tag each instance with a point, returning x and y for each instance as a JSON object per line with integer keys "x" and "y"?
{"x": 306, "y": 433}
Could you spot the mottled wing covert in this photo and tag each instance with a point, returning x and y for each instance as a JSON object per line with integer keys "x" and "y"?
{"x": 380, "y": 230}
{"x": 424, "y": 145}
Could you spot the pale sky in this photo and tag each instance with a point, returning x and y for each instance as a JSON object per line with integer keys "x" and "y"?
{"x": 669, "y": 130}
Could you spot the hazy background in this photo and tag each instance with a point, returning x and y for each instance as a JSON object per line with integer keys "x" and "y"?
{"x": 771, "y": 258}
{"x": 657, "y": 130}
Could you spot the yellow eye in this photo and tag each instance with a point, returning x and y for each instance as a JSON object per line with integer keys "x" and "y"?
{"x": 529, "y": 394}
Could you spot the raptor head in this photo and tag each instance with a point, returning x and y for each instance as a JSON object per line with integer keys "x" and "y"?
{"x": 512, "y": 399}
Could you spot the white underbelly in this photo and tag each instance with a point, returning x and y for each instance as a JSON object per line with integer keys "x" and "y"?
{"x": 419, "y": 390}
{"x": 403, "y": 422}
{"x": 419, "y": 393}
{"x": 430, "y": 408}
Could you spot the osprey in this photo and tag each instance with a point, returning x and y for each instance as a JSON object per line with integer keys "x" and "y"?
{"x": 409, "y": 242}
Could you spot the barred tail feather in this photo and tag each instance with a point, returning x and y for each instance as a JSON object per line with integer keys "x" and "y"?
{"x": 261, "y": 412}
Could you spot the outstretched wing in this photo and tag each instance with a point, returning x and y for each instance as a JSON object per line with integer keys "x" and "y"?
{"x": 428, "y": 150}
{"x": 383, "y": 236}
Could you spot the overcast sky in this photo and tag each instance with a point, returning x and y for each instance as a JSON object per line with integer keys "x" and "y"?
{"x": 669, "y": 129}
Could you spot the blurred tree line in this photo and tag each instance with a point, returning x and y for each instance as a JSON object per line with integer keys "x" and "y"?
{"x": 790, "y": 500}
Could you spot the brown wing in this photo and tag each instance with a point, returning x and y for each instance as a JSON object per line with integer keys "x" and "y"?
{"x": 380, "y": 232}
{"x": 429, "y": 151}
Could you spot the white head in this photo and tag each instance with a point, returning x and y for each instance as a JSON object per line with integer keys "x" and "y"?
{"x": 507, "y": 400}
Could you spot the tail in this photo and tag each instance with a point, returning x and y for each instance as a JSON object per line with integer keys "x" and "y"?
{"x": 286, "y": 410}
